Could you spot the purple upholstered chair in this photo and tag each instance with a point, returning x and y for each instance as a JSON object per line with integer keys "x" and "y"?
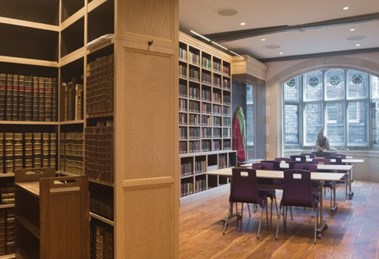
{"x": 243, "y": 189}
{"x": 297, "y": 191}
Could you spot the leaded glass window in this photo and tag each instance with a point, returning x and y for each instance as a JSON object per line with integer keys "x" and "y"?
{"x": 292, "y": 89}
{"x": 313, "y": 86}
{"x": 344, "y": 102}
{"x": 357, "y": 85}
{"x": 312, "y": 122}
{"x": 291, "y": 116}
{"x": 334, "y": 84}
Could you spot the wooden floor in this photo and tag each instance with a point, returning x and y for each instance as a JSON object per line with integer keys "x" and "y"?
{"x": 353, "y": 231}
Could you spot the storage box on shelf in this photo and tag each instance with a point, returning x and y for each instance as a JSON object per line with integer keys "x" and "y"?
{"x": 204, "y": 114}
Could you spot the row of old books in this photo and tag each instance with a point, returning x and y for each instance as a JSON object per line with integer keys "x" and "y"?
{"x": 72, "y": 101}
{"x": 7, "y": 195}
{"x": 71, "y": 152}
{"x": 102, "y": 206}
{"x": 99, "y": 152}
{"x": 7, "y": 231}
{"x": 102, "y": 237}
{"x": 99, "y": 91}
{"x": 27, "y": 150}
{"x": 28, "y": 98}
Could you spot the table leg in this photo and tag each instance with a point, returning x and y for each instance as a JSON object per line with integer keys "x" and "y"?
{"x": 350, "y": 179}
{"x": 321, "y": 225}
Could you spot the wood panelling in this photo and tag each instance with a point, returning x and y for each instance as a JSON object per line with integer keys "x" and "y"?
{"x": 353, "y": 231}
{"x": 146, "y": 129}
{"x": 149, "y": 104}
{"x": 153, "y": 209}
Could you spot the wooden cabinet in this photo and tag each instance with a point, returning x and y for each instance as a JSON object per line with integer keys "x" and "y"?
{"x": 52, "y": 215}
{"x": 205, "y": 116}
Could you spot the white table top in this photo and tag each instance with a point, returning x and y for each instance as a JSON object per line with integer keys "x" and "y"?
{"x": 319, "y": 166}
{"x": 273, "y": 174}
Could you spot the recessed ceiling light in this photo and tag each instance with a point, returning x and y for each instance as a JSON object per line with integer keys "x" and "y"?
{"x": 243, "y": 23}
{"x": 281, "y": 53}
{"x": 227, "y": 12}
{"x": 352, "y": 29}
{"x": 346, "y": 8}
{"x": 263, "y": 39}
{"x": 357, "y": 45}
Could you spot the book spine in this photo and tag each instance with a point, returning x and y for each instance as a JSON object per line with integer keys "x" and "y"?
{"x": 78, "y": 102}
{"x": 21, "y": 98}
{"x": 54, "y": 100}
{"x": 41, "y": 99}
{"x": 15, "y": 98}
{"x": 3, "y": 85}
{"x": 9, "y": 98}
{"x": 35, "y": 104}
{"x": 18, "y": 151}
{"x": 48, "y": 99}
{"x": 28, "y": 149}
{"x": 53, "y": 150}
{"x": 37, "y": 150}
{"x": 28, "y": 106}
{"x": 1, "y": 152}
{"x": 9, "y": 152}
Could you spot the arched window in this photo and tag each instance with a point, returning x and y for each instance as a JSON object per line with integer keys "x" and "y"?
{"x": 344, "y": 102}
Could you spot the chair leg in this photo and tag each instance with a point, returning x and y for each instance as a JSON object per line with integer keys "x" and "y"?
{"x": 316, "y": 223}
{"x": 278, "y": 223}
{"x": 260, "y": 221}
{"x": 248, "y": 208}
{"x": 230, "y": 213}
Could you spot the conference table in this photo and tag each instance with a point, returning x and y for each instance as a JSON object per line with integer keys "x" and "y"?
{"x": 277, "y": 174}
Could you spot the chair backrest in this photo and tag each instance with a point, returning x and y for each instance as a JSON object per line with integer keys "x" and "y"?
{"x": 275, "y": 163}
{"x": 335, "y": 160}
{"x": 297, "y": 188}
{"x": 283, "y": 159}
{"x": 298, "y": 158}
{"x": 243, "y": 186}
{"x": 263, "y": 166}
{"x": 306, "y": 166}
{"x": 324, "y": 161}
{"x": 308, "y": 154}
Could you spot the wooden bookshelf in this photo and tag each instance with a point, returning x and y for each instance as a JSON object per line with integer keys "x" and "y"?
{"x": 204, "y": 114}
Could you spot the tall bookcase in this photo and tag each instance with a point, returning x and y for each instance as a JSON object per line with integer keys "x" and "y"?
{"x": 88, "y": 73}
{"x": 205, "y": 114}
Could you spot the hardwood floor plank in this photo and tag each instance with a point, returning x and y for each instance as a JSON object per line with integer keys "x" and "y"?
{"x": 353, "y": 231}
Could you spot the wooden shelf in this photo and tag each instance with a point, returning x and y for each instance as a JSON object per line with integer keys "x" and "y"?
{"x": 26, "y": 223}
{"x": 102, "y": 219}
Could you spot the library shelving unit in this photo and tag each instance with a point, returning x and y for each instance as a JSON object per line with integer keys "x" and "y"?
{"x": 204, "y": 115}
{"x": 51, "y": 215}
{"x": 28, "y": 99}
{"x": 75, "y": 76}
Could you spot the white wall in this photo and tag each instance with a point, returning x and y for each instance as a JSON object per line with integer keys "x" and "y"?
{"x": 279, "y": 72}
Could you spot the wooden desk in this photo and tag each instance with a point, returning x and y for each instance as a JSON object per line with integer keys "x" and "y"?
{"x": 275, "y": 174}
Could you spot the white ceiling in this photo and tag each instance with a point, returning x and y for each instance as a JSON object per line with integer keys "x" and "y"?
{"x": 202, "y": 17}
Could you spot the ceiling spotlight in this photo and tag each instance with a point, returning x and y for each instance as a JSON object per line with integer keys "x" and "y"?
{"x": 281, "y": 53}
{"x": 263, "y": 39}
{"x": 352, "y": 29}
{"x": 357, "y": 45}
{"x": 345, "y": 8}
{"x": 242, "y": 23}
